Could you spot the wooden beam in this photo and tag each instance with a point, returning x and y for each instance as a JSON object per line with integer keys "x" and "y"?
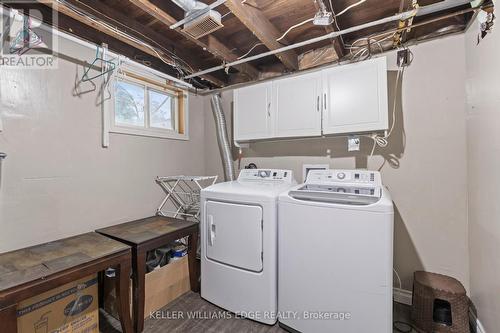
{"x": 263, "y": 29}
{"x": 76, "y": 28}
{"x": 215, "y": 46}
{"x": 317, "y": 57}
{"x": 209, "y": 43}
{"x": 63, "y": 9}
{"x": 338, "y": 44}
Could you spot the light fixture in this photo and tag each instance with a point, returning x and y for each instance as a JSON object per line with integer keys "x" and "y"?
{"x": 323, "y": 16}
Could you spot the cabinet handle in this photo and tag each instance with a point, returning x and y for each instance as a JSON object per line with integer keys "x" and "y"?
{"x": 317, "y": 104}
{"x": 269, "y": 110}
{"x": 324, "y": 100}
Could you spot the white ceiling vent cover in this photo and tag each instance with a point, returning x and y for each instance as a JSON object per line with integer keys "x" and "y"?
{"x": 203, "y": 25}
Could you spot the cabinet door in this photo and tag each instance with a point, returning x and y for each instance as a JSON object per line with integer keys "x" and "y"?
{"x": 252, "y": 112}
{"x": 356, "y": 97}
{"x": 297, "y": 104}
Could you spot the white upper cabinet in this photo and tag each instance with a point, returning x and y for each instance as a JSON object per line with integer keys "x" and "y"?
{"x": 339, "y": 100}
{"x": 356, "y": 97}
{"x": 297, "y": 105}
{"x": 253, "y": 112}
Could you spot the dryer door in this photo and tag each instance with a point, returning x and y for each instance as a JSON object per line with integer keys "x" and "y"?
{"x": 234, "y": 234}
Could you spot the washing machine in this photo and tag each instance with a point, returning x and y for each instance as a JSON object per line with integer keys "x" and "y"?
{"x": 335, "y": 245}
{"x": 239, "y": 243}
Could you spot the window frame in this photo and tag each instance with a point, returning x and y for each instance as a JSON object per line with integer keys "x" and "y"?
{"x": 148, "y": 131}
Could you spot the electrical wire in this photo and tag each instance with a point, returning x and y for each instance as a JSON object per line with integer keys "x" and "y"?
{"x": 367, "y": 47}
{"x": 408, "y": 328}
{"x": 229, "y": 12}
{"x": 336, "y": 22}
{"x": 348, "y": 8}
{"x": 383, "y": 141}
{"x": 168, "y": 57}
{"x": 399, "y": 279}
{"x": 312, "y": 19}
{"x": 293, "y": 27}
{"x": 319, "y": 57}
{"x": 249, "y": 51}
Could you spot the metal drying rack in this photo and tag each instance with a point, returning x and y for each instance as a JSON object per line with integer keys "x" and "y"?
{"x": 183, "y": 193}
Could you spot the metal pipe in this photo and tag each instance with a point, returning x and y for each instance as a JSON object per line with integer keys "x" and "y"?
{"x": 186, "y": 5}
{"x": 429, "y": 21}
{"x": 375, "y": 35}
{"x": 398, "y": 17}
{"x": 440, "y": 6}
{"x": 222, "y": 137}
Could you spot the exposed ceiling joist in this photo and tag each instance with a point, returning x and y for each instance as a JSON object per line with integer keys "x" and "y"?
{"x": 317, "y": 57}
{"x": 63, "y": 9}
{"x": 216, "y": 46}
{"x": 338, "y": 44}
{"x": 263, "y": 29}
{"x": 209, "y": 43}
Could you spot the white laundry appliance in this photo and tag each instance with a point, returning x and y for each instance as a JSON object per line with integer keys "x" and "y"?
{"x": 335, "y": 245}
{"x": 239, "y": 227}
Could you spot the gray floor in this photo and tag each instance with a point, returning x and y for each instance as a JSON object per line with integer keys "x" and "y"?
{"x": 211, "y": 319}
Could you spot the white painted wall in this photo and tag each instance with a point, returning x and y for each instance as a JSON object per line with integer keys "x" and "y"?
{"x": 57, "y": 181}
{"x": 427, "y": 176}
{"x": 483, "y": 128}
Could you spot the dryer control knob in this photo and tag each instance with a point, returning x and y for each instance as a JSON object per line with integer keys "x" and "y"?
{"x": 341, "y": 175}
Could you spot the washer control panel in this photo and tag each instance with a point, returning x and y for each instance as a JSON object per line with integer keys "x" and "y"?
{"x": 266, "y": 175}
{"x": 359, "y": 177}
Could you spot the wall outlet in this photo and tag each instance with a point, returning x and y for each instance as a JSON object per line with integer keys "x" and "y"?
{"x": 353, "y": 143}
{"x": 402, "y": 296}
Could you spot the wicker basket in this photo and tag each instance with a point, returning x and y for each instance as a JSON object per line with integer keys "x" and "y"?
{"x": 440, "y": 304}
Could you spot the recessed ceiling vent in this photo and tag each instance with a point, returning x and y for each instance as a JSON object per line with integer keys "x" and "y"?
{"x": 199, "y": 19}
{"x": 204, "y": 24}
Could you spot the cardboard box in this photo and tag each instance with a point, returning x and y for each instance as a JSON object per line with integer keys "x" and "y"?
{"x": 163, "y": 285}
{"x": 71, "y": 308}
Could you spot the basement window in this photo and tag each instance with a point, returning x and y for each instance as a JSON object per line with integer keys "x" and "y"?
{"x": 148, "y": 108}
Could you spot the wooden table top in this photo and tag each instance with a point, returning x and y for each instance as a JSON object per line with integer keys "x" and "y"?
{"x": 144, "y": 230}
{"x": 30, "y": 264}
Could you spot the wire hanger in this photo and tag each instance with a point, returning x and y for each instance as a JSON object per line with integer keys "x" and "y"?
{"x": 109, "y": 64}
{"x": 25, "y": 39}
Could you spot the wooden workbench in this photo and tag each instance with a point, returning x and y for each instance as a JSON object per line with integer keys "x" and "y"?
{"x": 148, "y": 234}
{"x": 34, "y": 270}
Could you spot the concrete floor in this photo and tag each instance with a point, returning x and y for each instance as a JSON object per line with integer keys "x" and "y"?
{"x": 190, "y": 302}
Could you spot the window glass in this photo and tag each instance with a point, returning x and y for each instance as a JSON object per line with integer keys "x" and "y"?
{"x": 161, "y": 107}
{"x": 129, "y": 104}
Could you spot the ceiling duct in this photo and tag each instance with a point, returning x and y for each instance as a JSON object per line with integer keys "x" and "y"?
{"x": 199, "y": 18}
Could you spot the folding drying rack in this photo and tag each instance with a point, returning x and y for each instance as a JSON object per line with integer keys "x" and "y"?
{"x": 183, "y": 194}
